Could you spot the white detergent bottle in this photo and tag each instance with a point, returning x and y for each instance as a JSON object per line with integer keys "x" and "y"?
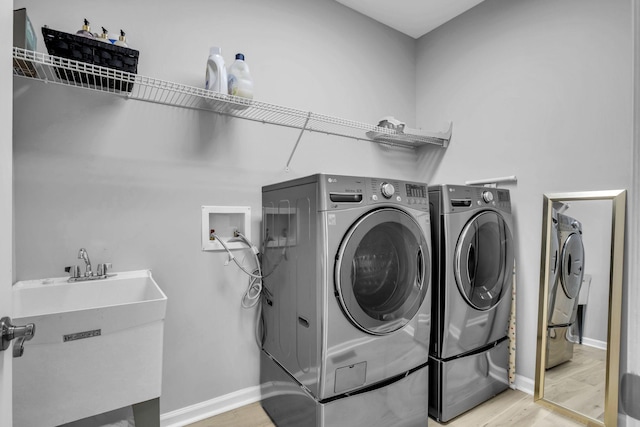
{"x": 240, "y": 82}
{"x": 216, "y": 72}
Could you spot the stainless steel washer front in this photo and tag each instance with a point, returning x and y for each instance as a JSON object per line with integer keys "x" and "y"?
{"x": 347, "y": 260}
{"x": 381, "y": 270}
{"x": 473, "y": 263}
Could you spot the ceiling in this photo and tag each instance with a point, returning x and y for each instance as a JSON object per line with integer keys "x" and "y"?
{"x": 414, "y": 18}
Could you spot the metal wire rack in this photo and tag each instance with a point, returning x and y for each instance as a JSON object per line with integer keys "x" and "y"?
{"x": 53, "y": 69}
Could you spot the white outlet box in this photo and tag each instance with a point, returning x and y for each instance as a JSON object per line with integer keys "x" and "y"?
{"x": 224, "y": 220}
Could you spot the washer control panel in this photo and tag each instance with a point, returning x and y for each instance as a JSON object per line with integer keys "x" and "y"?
{"x": 341, "y": 191}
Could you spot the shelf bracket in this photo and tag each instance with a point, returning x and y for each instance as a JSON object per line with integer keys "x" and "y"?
{"x": 295, "y": 147}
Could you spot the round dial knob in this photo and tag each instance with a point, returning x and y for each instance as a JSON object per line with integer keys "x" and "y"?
{"x": 487, "y": 196}
{"x": 387, "y": 190}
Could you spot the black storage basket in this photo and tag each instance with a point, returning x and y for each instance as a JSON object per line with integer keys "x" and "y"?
{"x": 91, "y": 51}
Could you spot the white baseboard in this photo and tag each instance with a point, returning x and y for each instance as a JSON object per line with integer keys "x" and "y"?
{"x": 210, "y": 408}
{"x": 524, "y": 384}
{"x": 602, "y": 345}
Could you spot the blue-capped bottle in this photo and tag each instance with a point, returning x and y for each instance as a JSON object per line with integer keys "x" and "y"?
{"x": 240, "y": 82}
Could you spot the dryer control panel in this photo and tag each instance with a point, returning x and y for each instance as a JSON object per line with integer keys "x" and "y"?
{"x": 458, "y": 198}
{"x": 339, "y": 192}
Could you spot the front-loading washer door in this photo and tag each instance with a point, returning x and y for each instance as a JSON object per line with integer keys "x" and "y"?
{"x": 382, "y": 271}
{"x": 483, "y": 263}
{"x": 572, "y": 266}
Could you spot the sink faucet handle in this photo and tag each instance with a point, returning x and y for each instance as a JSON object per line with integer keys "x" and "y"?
{"x": 22, "y": 334}
{"x": 84, "y": 255}
{"x": 9, "y": 332}
{"x": 74, "y": 270}
{"x": 104, "y": 268}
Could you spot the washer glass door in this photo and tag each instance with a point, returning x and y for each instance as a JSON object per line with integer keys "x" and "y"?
{"x": 484, "y": 260}
{"x": 382, "y": 271}
{"x": 572, "y": 267}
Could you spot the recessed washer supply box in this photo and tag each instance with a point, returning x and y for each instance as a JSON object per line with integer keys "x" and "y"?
{"x": 223, "y": 221}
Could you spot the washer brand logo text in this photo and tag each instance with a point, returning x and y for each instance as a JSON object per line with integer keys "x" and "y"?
{"x": 332, "y": 180}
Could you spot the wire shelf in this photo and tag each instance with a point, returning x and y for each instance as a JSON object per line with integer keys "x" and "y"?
{"x": 67, "y": 72}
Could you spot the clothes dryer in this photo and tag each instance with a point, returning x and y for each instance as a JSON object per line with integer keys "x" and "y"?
{"x": 473, "y": 253}
{"x": 563, "y": 298}
{"x": 347, "y": 301}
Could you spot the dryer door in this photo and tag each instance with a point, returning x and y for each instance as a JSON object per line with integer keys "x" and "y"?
{"x": 565, "y": 305}
{"x": 572, "y": 267}
{"x": 554, "y": 254}
{"x": 483, "y": 264}
{"x": 554, "y": 268}
{"x": 382, "y": 271}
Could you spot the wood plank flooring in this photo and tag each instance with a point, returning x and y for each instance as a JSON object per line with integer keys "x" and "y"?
{"x": 247, "y": 416}
{"x": 579, "y": 384}
{"x": 510, "y": 408}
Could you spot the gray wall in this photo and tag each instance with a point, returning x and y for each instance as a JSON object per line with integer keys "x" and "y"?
{"x": 126, "y": 179}
{"x": 538, "y": 89}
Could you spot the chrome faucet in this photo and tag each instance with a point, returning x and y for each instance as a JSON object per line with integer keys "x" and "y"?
{"x": 84, "y": 255}
{"x": 101, "y": 273}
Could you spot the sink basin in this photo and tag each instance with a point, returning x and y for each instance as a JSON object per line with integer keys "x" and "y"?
{"x": 97, "y": 346}
{"x": 134, "y": 295}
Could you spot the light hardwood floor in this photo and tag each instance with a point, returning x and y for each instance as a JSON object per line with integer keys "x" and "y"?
{"x": 579, "y": 384}
{"x": 508, "y": 409}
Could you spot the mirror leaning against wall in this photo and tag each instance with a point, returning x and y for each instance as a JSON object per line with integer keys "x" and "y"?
{"x": 581, "y": 268}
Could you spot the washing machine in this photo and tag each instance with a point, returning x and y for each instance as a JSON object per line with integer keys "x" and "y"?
{"x": 346, "y": 308}
{"x": 473, "y": 259}
{"x": 563, "y": 297}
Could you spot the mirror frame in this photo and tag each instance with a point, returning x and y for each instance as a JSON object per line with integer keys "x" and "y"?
{"x": 618, "y": 198}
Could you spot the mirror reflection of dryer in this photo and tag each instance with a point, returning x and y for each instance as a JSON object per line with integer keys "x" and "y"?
{"x": 563, "y": 296}
{"x": 554, "y": 261}
{"x": 473, "y": 259}
{"x": 346, "y": 314}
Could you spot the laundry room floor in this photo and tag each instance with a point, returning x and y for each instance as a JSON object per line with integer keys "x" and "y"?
{"x": 584, "y": 372}
{"x": 509, "y": 408}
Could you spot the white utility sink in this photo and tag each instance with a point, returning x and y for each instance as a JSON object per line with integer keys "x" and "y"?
{"x": 97, "y": 346}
